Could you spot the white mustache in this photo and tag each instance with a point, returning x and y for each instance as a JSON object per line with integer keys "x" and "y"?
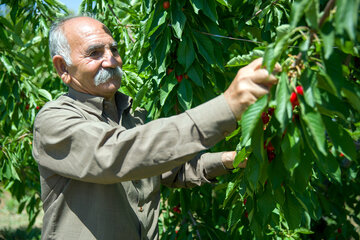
{"x": 104, "y": 74}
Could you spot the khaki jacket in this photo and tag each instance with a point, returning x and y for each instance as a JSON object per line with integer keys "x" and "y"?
{"x": 101, "y": 166}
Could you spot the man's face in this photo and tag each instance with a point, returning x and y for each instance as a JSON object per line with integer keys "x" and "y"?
{"x": 96, "y": 63}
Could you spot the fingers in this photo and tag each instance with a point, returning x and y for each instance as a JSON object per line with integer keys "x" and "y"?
{"x": 243, "y": 163}
{"x": 262, "y": 76}
{"x": 227, "y": 159}
{"x": 277, "y": 68}
{"x": 256, "y": 64}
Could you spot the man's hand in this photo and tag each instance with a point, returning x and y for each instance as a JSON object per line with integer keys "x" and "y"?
{"x": 250, "y": 83}
{"x": 228, "y": 158}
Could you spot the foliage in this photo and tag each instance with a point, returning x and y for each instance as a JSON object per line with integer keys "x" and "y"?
{"x": 302, "y": 176}
{"x": 26, "y": 76}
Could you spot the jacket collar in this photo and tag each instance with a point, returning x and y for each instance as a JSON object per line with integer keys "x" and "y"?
{"x": 96, "y": 103}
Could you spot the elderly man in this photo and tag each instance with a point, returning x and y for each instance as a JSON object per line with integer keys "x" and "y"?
{"x": 101, "y": 167}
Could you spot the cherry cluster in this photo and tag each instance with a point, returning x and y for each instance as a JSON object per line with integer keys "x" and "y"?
{"x": 180, "y": 77}
{"x": 270, "y": 150}
{"x": 293, "y": 97}
{"x": 265, "y": 116}
{"x": 177, "y": 209}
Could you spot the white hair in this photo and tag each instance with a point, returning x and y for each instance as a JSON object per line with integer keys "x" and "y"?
{"x": 58, "y": 43}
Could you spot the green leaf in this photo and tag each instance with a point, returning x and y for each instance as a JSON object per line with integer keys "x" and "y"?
{"x": 208, "y": 8}
{"x": 309, "y": 82}
{"x": 5, "y": 61}
{"x": 334, "y": 70}
{"x": 330, "y": 105}
{"x": 257, "y": 143}
{"x": 326, "y": 163}
{"x": 178, "y": 18}
{"x": 251, "y": 117}
{"x": 205, "y": 47}
{"x": 240, "y": 157}
{"x": 290, "y": 147}
{"x": 266, "y": 204}
{"x": 352, "y": 98}
{"x": 185, "y": 94}
{"x": 252, "y": 172}
{"x": 158, "y": 20}
{"x": 283, "y": 105}
{"x": 312, "y": 14}
{"x": 292, "y": 211}
{"x": 314, "y": 122}
{"x": 310, "y": 203}
{"x": 224, "y": 2}
{"x": 139, "y": 96}
{"x": 302, "y": 173}
{"x": 341, "y": 138}
{"x": 170, "y": 83}
{"x": 235, "y": 215}
{"x": 242, "y": 60}
{"x": 162, "y": 49}
{"x": 328, "y": 36}
{"x": 298, "y": 9}
{"x": 186, "y": 52}
{"x": 195, "y": 73}
{"x": 274, "y": 51}
{"x": 282, "y": 30}
{"x": 346, "y": 17}
{"x": 45, "y": 94}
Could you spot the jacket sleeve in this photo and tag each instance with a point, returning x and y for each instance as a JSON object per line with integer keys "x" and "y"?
{"x": 204, "y": 168}
{"x": 94, "y": 151}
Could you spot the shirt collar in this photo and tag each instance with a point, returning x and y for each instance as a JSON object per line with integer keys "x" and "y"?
{"x": 123, "y": 102}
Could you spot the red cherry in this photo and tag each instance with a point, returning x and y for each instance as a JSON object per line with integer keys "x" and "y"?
{"x": 179, "y": 78}
{"x": 339, "y": 230}
{"x": 177, "y": 209}
{"x": 27, "y": 106}
{"x": 341, "y": 155}
{"x": 271, "y": 156}
{"x": 37, "y": 107}
{"x": 166, "y": 5}
{"x": 295, "y": 117}
{"x": 265, "y": 117}
{"x": 270, "y": 147}
{"x": 300, "y": 90}
{"x": 169, "y": 70}
{"x": 246, "y": 214}
{"x": 245, "y": 200}
{"x": 271, "y": 111}
{"x": 293, "y": 98}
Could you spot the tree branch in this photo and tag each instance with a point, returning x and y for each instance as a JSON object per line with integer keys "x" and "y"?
{"x": 325, "y": 15}
{"x": 195, "y": 225}
{"x": 121, "y": 24}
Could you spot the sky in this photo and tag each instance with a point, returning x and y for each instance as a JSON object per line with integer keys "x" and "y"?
{"x": 72, "y": 4}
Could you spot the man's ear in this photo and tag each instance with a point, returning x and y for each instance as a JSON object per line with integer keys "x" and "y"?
{"x": 62, "y": 69}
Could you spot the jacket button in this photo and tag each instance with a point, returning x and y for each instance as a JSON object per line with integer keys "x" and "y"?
{"x": 141, "y": 209}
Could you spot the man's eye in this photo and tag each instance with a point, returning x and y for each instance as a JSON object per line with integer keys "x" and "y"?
{"x": 94, "y": 54}
{"x": 114, "y": 50}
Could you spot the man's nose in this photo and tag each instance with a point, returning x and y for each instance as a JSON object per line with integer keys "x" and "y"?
{"x": 109, "y": 61}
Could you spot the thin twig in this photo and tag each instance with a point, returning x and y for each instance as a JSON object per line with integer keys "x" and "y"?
{"x": 19, "y": 138}
{"x": 232, "y": 38}
{"x": 121, "y": 24}
{"x": 260, "y": 11}
{"x": 325, "y": 15}
{"x": 327, "y": 10}
{"x": 195, "y": 225}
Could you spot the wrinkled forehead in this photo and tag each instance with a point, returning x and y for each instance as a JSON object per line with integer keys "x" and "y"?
{"x": 83, "y": 29}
